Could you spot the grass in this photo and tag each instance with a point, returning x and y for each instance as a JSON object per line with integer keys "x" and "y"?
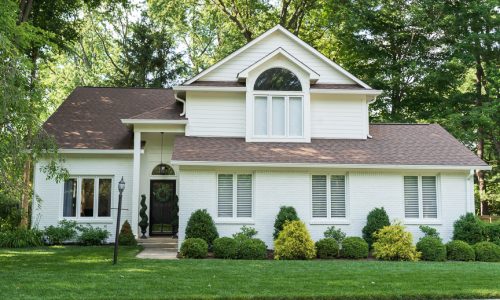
{"x": 87, "y": 272}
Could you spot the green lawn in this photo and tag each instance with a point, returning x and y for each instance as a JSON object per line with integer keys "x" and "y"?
{"x": 87, "y": 272}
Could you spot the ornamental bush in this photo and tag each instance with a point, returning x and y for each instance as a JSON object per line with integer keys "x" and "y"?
{"x": 194, "y": 248}
{"x": 432, "y": 248}
{"x": 286, "y": 213}
{"x": 92, "y": 236}
{"x": 460, "y": 251}
{"x": 394, "y": 243}
{"x": 225, "y": 247}
{"x": 492, "y": 231}
{"x": 294, "y": 242}
{"x": 64, "y": 231}
{"x": 21, "y": 238}
{"x": 376, "y": 219}
{"x": 354, "y": 247}
{"x": 126, "y": 237}
{"x": 252, "y": 249}
{"x": 201, "y": 225}
{"x": 487, "y": 251}
{"x": 429, "y": 231}
{"x": 336, "y": 234}
{"x": 327, "y": 248}
{"x": 469, "y": 228}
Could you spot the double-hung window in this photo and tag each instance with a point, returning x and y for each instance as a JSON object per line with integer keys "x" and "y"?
{"x": 328, "y": 196}
{"x": 87, "y": 197}
{"x": 234, "y": 195}
{"x": 420, "y": 197}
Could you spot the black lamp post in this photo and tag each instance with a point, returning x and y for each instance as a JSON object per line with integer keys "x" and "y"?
{"x": 121, "y": 187}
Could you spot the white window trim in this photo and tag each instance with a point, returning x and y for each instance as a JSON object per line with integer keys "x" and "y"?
{"x": 234, "y": 219}
{"x": 421, "y": 220}
{"x": 95, "y": 218}
{"x": 329, "y": 220}
{"x": 269, "y": 95}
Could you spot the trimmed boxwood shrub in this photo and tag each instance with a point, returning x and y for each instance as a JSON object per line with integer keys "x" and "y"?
{"x": 432, "y": 248}
{"x": 394, "y": 243}
{"x": 286, "y": 213}
{"x": 252, "y": 249}
{"x": 469, "y": 228}
{"x": 194, "y": 248}
{"x": 225, "y": 247}
{"x": 376, "y": 219}
{"x": 327, "y": 248}
{"x": 460, "y": 251}
{"x": 201, "y": 225}
{"x": 126, "y": 237}
{"x": 487, "y": 251}
{"x": 64, "y": 231}
{"x": 294, "y": 242}
{"x": 354, "y": 247}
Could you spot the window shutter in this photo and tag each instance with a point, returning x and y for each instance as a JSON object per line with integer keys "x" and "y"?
{"x": 337, "y": 191}
{"x": 319, "y": 202}
{"x": 411, "y": 196}
{"x": 429, "y": 199}
{"x": 225, "y": 195}
{"x": 244, "y": 196}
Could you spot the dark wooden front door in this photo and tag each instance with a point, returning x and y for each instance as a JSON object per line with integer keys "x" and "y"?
{"x": 161, "y": 210}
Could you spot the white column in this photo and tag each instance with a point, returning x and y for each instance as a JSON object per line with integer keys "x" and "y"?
{"x": 135, "y": 182}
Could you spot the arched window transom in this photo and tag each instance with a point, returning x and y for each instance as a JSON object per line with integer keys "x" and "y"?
{"x": 277, "y": 79}
{"x": 163, "y": 169}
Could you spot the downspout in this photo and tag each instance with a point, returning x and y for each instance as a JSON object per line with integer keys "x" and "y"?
{"x": 370, "y": 102}
{"x": 183, "y": 105}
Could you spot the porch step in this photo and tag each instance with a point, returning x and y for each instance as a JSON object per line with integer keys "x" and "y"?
{"x": 159, "y": 243}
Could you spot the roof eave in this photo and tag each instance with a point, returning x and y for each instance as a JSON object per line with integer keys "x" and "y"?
{"x": 209, "y": 88}
{"x": 346, "y": 91}
{"x": 152, "y": 121}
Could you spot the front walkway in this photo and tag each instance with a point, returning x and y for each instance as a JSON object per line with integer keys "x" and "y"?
{"x": 158, "y": 248}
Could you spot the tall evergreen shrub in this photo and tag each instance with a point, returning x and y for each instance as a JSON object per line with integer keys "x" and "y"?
{"x": 376, "y": 220}
{"x": 201, "y": 225}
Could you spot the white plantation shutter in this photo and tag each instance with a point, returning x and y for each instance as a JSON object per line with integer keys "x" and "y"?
{"x": 319, "y": 201}
{"x": 244, "y": 196}
{"x": 225, "y": 195}
{"x": 337, "y": 194}
{"x": 411, "y": 196}
{"x": 429, "y": 199}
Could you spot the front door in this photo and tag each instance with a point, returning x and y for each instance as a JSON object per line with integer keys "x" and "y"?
{"x": 161, "y": 207}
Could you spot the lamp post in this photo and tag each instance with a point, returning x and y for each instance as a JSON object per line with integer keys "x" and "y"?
{"x": 121, "y": 187}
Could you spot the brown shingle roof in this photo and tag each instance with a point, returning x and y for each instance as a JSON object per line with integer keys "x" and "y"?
{"x": 90, "y": 118}
{"x": 391, "y": 145}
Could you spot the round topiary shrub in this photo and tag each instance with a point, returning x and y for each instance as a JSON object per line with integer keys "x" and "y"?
{"x": 469, "y": 228}
{"x": 487, "y": 251}
{"x": 376, "y": 220}
{"x": 294, "y": 242}
{"x": 394, "y": 243}
{"x": 286, "y": 213}
{"x": 354, "y": 247}
{"x": 460, "y": 251}
{"x": 201, "y": 225}
{"x": 225, "y": 247}
{"x": 327, "y": 248}
{"x": 432, "y": 248}
{"x": 194, "y": 248}
{"x": 252, "y": 249}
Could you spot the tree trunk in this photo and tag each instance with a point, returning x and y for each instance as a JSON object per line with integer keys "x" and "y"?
{"x": 25, "y": 197}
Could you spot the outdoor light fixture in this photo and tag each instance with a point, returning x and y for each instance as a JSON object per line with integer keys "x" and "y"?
{"x": 121, "y": 188}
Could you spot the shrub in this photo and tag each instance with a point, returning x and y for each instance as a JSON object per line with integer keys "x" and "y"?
{"x": 487, "y": 251}
{"x": 327, "y": 248}
{"x": 225, "y": 247}
{"x": 336, "y": 234}
{"x": 460, "y": 250}
{"x": 469, "y": 228}
{"x": 201, "y": 225}
{"x": 245, "y": 232}
{"x": 294, "y": 242}
{"x": 126, "y": 237}
{"x": 432, "y": 248}
{"x": 492, "y": 232}
{"x": 252, "y": 249}
{"x": 10, "y": 213}
{"x": 354, "y": 247}
{"x": 394, "y": 243}
{"x": 429, "y": 231}
{"x": 286, "y": 213}
{"x": 376, "y": 219}
{"x": 21, "y": 238}
{"x": 194, "y": 248}
{"x": 65, "y": 231}
{"x": 92, "y": 236}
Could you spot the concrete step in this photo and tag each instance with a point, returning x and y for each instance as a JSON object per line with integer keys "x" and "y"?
{"x": 159, "y": 243}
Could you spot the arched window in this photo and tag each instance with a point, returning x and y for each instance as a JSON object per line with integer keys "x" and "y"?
{"x": 277, "y": 79}
{"x": 163, "y": 169}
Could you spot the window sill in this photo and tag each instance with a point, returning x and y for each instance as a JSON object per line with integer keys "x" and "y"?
{"x": 423, "y": 222}
{"x": 234, "y": 221}
{"x": 89, "y": 220}
{"x": 330, "y": 222}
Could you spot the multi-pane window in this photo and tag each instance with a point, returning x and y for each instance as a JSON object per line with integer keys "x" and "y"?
{"x": 328, "y": 196}
{"x": 420, "y": 197}
{"x": 87, "y": 197}
{"x": 234, "y": 196}
{"x": 278, "y": 116}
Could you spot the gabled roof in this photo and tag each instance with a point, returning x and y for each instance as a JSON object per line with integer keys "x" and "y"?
{"x": 293, "y": 37}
